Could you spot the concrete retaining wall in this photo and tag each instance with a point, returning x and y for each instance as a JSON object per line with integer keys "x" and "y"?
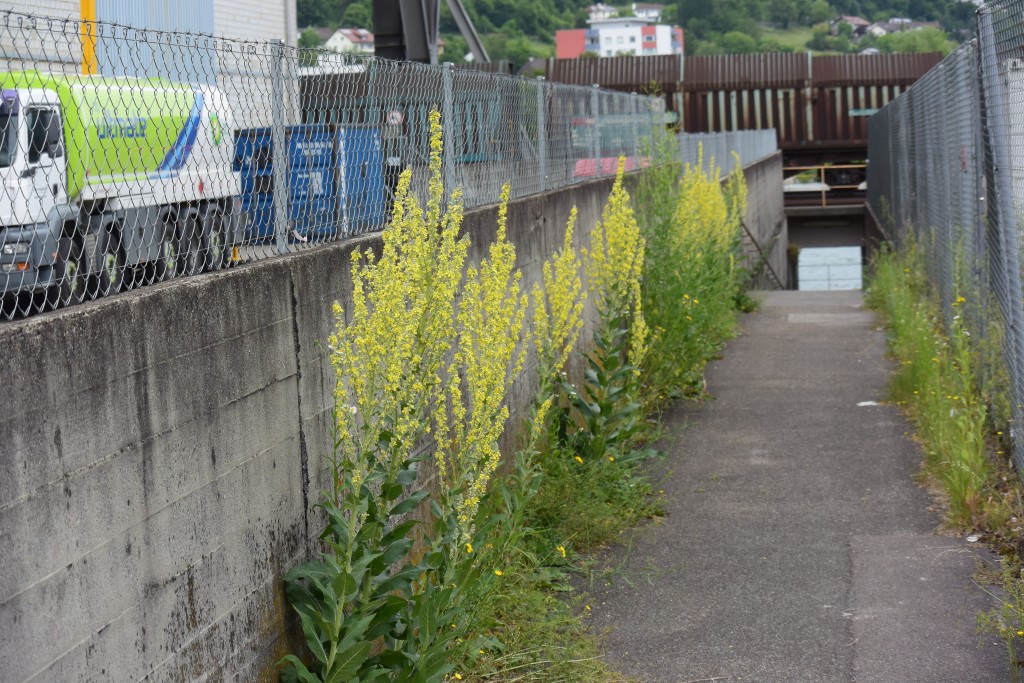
{"x": 766, "y": 221}
{"x": 161, "y": 453}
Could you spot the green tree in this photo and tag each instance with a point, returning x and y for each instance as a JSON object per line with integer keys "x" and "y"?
{"x": 736, "y": 43}
{"x": 918, "y": 40}
{"x": 782, "y": 13}
{"x": 820, "y": 11}
{"x": 770, "y": 45}
{"x": 455, "y": 48}
{"x": 358, "y": 15}
{"x": 310, "y": 39}
{"x": 822, "y": 41}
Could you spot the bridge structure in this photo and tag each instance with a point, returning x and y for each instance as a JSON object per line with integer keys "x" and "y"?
{"x": 818, "y": 105}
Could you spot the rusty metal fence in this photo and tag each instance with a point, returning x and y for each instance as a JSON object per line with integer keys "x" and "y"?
{"x": 130, "y": 156}
{"x": 946, "y": 166}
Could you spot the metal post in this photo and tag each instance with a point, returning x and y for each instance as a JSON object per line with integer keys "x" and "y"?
{"x": 542, "y": 133}
{"x": 595, "y": 141}
{"x": 634, "y": 101}
{"x": 279, "y": 153}
{"x": 448, "y": 125}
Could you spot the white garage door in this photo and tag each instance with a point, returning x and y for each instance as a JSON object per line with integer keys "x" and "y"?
{"x": 833, "y": 268}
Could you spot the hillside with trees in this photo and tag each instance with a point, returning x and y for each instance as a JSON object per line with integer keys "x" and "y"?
{"x": 520, "y": 29}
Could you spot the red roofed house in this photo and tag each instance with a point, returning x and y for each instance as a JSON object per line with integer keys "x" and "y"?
{"x": 351, "y": 40}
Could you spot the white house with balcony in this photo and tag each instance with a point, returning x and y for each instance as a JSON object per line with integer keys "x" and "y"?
{"x": 648, "y": 11}
{"x": 633, "y": 36}
{"x": 601, "y": 11}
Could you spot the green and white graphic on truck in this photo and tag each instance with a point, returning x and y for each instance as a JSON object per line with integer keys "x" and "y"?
{"x": 132, "y": 171}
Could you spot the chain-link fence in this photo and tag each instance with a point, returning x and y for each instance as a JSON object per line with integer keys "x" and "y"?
{"x": 130, "y": 156}
{"x": 718, "y": 148}
{"x": 946, "y": 165}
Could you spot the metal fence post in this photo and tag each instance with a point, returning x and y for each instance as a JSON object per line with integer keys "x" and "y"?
{"x": 634, "y": 105}
{"x": 448, "y": 125}
{"x": 595, "y": 142}
{"x": 279, "y": 143}
{"x": 542, "y": 132}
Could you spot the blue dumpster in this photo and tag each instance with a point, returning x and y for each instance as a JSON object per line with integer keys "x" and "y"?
{"x": 335, "y": 181}
{"x": 312, "y": 204}
{"x": 360, "y": 172}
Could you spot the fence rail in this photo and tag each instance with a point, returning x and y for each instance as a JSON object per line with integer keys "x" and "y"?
{"x": 946, "y": 165}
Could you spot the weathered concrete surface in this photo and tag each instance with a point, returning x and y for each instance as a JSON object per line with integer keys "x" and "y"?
{"x": 161, "y": 453}
{"x": 767, "y": 243}
{"x": 797, "y": 546}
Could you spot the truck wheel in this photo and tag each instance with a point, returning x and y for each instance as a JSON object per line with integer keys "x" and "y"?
{"x": 111, "y": 273}
{"x": 68, "y": 273}
{"x": 167, "y": 264}
{"x": 214, "y": 249}
{"x": 190, "y": 244}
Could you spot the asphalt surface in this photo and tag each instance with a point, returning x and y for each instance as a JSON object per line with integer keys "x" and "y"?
{"x": 796, "y": 546}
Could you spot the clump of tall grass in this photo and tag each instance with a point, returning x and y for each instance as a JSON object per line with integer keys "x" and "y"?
{"x": 937, "y": 378}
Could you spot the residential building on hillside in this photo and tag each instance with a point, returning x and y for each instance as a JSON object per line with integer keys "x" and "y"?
{"x": 884, "y": 28}
{"x": 357, "y": 40}
{"x": 619, "y": 36}
{"x": 601, "y": 11}
{"x": 646, "y": 10}
{"x": 858, "y": 24}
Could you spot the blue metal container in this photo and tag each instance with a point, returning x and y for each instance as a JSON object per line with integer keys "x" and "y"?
{"x": 335, "y": 181}
{"x": 309, "y": 220}
{"x": 360, "y": 174}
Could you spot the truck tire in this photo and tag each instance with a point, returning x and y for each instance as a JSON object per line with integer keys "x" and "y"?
{"x": 110, "y": 279}
{"x": 167, "y": 262}
{"x": 167, "y": 259}
{"x": 68, "y": 273}
{"x": 190, "y": 245}
{"x": 214, "y": 248}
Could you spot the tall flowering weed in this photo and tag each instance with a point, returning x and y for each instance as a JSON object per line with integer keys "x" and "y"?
{"x": 693, "y": 279}
{"x": 425, "y": 355}
{"x": 489, "y": 355}
{"x": 557, "y": 322}
{"x": 369, "y": 609}
{"x": 388, "y": 355}
{"x": 614, "y": 266}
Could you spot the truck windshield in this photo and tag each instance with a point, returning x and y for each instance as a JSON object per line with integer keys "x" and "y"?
{"x": 8, "y": 138}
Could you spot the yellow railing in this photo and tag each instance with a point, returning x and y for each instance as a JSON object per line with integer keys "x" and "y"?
{"x": 790, "y": 171}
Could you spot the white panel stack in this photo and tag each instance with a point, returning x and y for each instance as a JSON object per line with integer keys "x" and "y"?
{"x": 832, "y": 268}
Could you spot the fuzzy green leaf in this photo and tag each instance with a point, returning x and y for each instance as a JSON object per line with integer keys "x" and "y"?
{"x": 347, "y": 664}
{"x": 297, "y": 673}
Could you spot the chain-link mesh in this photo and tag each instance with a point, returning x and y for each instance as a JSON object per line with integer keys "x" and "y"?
{"x": 718, "y": 148}
{"x": 946, "y": 164}
{"x": 183, "y": 153}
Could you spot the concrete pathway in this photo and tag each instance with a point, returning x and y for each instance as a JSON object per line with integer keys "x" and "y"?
{"x": 797, "y": 546}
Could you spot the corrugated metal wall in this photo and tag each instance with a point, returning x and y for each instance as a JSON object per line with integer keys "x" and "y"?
{"x": 619, "y": 73}
{"x": 814, "y": 102}
{"x": 127, "y": 52}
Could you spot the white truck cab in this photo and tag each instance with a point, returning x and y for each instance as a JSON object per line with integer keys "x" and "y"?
{"x": 32, "y": 182}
